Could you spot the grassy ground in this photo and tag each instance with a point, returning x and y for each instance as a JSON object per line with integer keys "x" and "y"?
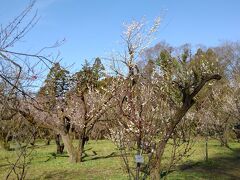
{"x": 223, "y": 163}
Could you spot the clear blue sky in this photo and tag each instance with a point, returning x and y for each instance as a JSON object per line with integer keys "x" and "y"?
{"x": 92, "y": 27}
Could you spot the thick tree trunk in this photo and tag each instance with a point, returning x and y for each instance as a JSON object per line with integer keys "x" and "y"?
{"x": 82, "y": 142}
{"x": 224, "y": 139}
{"x": 155, "y": 174}
{"x": 73, "y": 152}
{"x": 60, "y": 146}
{"x": 156, "y": 168}
{"x": 81, "y": 148}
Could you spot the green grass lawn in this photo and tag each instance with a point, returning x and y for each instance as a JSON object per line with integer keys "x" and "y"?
{"x": 223, "y": 163}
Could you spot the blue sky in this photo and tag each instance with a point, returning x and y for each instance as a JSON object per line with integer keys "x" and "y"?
{"x": 92, "y": 28}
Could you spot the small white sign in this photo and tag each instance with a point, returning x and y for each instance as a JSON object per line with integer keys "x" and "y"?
{"x": 139, "y": 159}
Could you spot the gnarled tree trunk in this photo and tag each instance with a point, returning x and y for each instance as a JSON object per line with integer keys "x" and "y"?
{"x": 73, "y": 152}
{"x": 188, "y": 101}
{"x": 83, "y": 138}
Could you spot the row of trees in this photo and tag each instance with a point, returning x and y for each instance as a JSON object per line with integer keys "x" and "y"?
{"x": 149, "y": 100}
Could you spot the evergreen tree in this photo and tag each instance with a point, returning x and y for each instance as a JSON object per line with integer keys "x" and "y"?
{"x": 55, "y": 86}
{"x": 90, "y": 76}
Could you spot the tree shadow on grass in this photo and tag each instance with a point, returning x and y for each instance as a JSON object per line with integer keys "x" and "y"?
{"x": 86, "y": 156}
{"x": 65, "y": 174}
{"x": 113, "y": 154}
{"x": 217, "y": 167}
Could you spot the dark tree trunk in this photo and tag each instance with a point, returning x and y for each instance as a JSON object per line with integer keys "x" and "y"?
{"x": 48, "y": 140}
{"x": 206, "y": 148}
{"x": 60, "y": 146}
{"x": 83, "y": 138}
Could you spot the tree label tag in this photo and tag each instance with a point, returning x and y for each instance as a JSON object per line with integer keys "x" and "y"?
{"x": 139, "y": 159}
